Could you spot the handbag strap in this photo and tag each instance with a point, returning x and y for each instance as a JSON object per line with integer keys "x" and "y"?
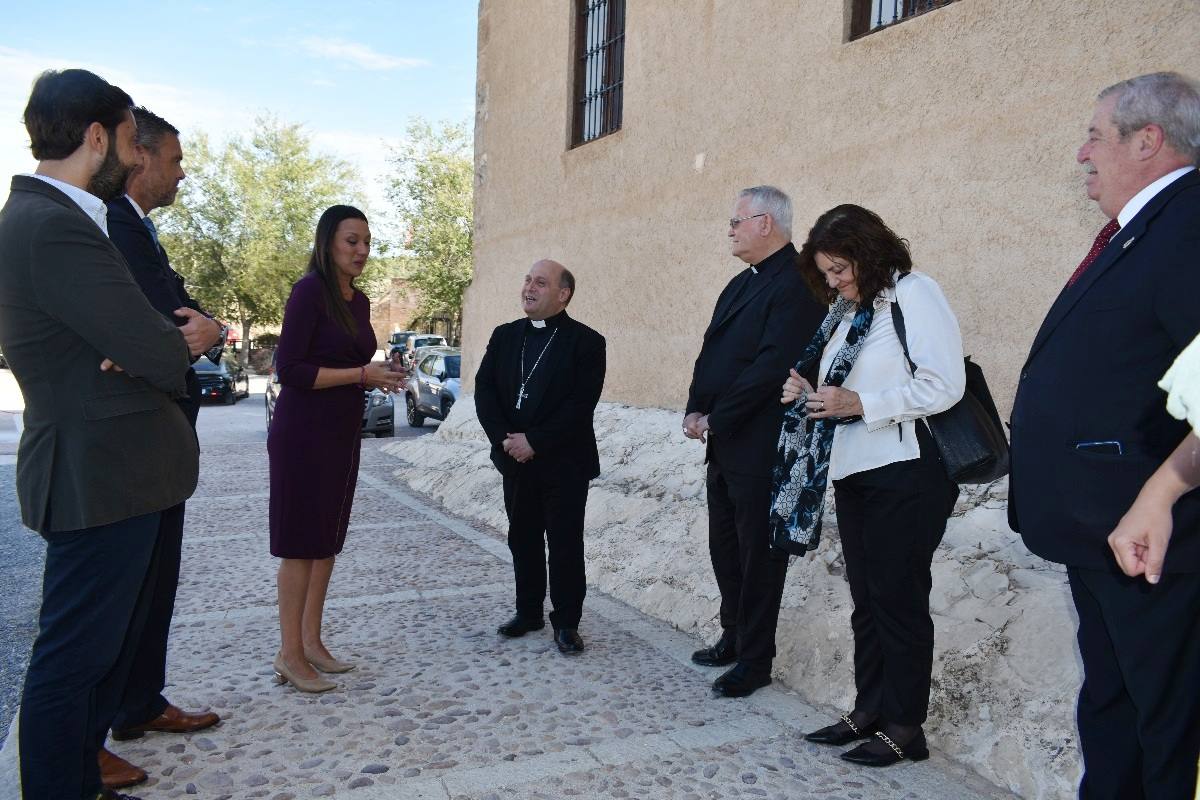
{"x": 898, "y": 324}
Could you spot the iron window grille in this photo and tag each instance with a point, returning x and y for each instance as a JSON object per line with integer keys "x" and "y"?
{"x": 869, "y": 16}
{"x": 599, "y": 68}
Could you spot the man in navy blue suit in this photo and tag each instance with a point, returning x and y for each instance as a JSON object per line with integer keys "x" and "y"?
{"x": 154, "y": 184}
{"x": 1089, "y": 426}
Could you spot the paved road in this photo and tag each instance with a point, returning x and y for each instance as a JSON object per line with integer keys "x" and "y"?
{"x": 440, "y": 706}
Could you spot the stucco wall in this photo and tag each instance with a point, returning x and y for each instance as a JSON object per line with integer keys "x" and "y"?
{"x": 959, "y": 127}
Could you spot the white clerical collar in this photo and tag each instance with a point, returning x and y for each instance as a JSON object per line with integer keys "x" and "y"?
{"x": 141, "y": 214}
{"x": 538, "y": 323}
{"x": 1139, "y": 200}
{"x": 754, "y": 269}
{"x": 90, "y": 204}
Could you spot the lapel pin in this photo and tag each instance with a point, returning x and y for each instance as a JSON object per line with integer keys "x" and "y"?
{"x": 1128, "y": 242}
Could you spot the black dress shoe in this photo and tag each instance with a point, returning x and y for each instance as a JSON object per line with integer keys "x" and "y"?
{"x": 741, "y": 681}
{"x": 519, "y": 626}
{"x": 881, "y": 751}
{"x": 568, "y": 641}
{"x": 842, "y": 732}
{"x": 722, "y": 653}
{"x": 109, "y": 794}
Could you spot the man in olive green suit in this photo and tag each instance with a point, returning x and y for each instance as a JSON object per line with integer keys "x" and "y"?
{"x": 105, "y": 448}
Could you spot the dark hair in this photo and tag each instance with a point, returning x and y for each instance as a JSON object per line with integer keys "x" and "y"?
{"x": 860, "y": 236}
{"x": 63, "y": 104}
{"x": 151, "y": 128}
{"x": 567, "y": 281}
{"x": 321, "y": 262}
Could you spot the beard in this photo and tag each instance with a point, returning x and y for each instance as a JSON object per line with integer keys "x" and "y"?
{"x": 109, "y": 181}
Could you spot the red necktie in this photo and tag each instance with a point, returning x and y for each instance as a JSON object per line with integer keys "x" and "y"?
{"x": 1102, "y": 240}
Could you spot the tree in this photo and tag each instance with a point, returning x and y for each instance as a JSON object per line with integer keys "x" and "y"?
{"x": 242, "y": 228}
{"x": 432, "y": 190}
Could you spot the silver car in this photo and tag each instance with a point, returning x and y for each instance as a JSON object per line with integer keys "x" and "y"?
{"x": 434, "y": 384}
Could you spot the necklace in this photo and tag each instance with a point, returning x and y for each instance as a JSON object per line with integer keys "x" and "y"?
{"x": 521, "y": 393}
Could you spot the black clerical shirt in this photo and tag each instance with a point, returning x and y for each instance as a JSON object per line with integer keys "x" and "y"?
{"x": 532, "y": 372}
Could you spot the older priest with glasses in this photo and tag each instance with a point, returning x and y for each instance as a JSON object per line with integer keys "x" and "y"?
{"x": 535, "y": 393}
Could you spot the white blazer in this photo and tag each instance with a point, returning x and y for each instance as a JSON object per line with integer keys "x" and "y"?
{"x": 892, "y": 397}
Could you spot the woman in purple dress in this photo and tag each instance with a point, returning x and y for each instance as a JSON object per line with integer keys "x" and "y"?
{"x": 323, "y": 364}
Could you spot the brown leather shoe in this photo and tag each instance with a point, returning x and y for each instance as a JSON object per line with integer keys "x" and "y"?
{"x": 172, "y": 720}
{"x": 117, "y": 773}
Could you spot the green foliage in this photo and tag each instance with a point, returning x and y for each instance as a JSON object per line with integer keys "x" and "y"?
{"x": 432, "y": 190}
{"x": 242, "y": 227}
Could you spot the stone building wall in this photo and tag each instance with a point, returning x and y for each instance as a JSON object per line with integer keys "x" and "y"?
{"x": 959, "y": 127}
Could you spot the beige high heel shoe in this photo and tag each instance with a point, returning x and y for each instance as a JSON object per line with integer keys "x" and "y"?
{"x": 311, "y": 685}
{"x": 331, "y": 665}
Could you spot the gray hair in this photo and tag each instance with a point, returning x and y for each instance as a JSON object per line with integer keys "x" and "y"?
{"x": 773, "y": 201}
{"x": 567, "y": 281}
{"x": 1166, "y": 99}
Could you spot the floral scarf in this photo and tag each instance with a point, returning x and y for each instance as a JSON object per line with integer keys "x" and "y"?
{"x": 802, "y": 458}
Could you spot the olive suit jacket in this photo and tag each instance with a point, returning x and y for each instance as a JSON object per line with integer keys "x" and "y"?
{"x": 98, "y": 446}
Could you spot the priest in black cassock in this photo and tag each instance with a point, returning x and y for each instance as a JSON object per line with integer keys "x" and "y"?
{"x": 535, "y": 393}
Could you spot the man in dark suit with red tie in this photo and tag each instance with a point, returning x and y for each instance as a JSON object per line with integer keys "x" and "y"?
{"x": 763, "y": 319}
{"x": 1089, "y": 426}
{"x": 154, "y": 184}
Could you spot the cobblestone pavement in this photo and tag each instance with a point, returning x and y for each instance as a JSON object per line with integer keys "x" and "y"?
{"x": 442, "y": 707}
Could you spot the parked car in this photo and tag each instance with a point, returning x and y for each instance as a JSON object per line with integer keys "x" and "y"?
{"x": 417, "y": 341}
{"x": 379, "y": 414}
{"x": 399, "y": 341}
{"x": 225, "y": 381}
{"x": 434, "y": 384}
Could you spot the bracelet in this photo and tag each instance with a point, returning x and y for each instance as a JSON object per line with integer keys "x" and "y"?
{"x": 362, "y": 377}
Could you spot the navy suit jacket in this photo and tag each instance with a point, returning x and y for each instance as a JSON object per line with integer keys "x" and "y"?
{"x": 150, "y": 267}
{"x": 1092, "y": 376}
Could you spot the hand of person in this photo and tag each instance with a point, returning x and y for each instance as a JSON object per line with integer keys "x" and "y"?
{"x": 1140, "y": 539}
{"x": 695, "y": 426}
{"x": 833, "y": 401}
{"x": 379, "y": 376}
{"x": 200, "y": 332}
{"x": 517, "y": 446}
{"x": 795, "y": 387}
{"x": 107, "y": 364}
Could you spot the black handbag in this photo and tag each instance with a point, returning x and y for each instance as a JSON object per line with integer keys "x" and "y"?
{"x": 969, "y": 435}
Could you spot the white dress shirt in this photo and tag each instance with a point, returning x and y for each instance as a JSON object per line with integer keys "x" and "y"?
{"x": 90, "y": 204}
{"x": 892, "y": 397}
{"x": 1139, "y": 200}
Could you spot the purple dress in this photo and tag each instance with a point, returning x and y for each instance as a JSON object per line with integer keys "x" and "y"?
{"x": 315, "y": 434}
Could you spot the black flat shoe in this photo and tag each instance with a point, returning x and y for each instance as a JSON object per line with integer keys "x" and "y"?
{"x": 519, "y": 626}
{"x": 881, "y": 751}
{"x": 722, "y": 653}
{"x": 740, "y": 681}
{"x": 842, "y": 732}
{"x": 569, "y": 642}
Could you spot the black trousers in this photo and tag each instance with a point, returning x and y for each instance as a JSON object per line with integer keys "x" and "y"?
{"x": 1139, "y": 706}
{"x": 93, "y": 612}
{"x": 891, "y": 519}
{"x": 750, "y": 572}
{"x": 143, "y": 699}
{"x": 546, "y": 504}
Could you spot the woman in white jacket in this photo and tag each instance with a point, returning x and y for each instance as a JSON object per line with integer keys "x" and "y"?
{"x": 863, "y": 429}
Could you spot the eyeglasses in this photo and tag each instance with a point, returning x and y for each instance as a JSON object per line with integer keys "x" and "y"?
{"x": 733, "y": 222}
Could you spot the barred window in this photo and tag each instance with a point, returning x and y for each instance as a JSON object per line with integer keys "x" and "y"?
{"x": 599, "y": 68}
{"x": 868, "y": 16}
